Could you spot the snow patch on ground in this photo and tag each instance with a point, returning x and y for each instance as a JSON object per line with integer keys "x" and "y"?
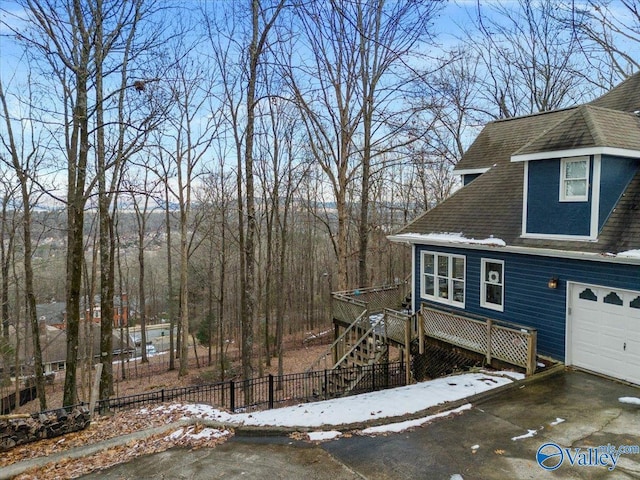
{"x": 190, "y": 433}
{"x": 557, "y": 421}
{"x": 630, "y": 400}
{"x": 402, "y": 426}
{"x": 630, "y": 254}
{"x": 321, "y": 436}
{"x": 361, "y": 408}
{"x": 394, "y": 402}
{"x": 529, "y": 434}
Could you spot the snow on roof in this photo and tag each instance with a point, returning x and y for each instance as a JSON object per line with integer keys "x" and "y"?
{"x": 449, "y": 238}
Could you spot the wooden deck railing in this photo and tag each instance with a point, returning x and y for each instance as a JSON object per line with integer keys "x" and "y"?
{"x": 511, "y": 343}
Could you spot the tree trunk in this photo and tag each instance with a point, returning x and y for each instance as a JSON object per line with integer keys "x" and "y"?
{"x": 28, "y": 266}
{"x": 170, "y": 299}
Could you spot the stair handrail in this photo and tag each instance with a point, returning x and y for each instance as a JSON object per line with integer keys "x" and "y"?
{"x": 373, "y": 362}
{"x": 361, "y": 339}
{"x": 329, "y": 351}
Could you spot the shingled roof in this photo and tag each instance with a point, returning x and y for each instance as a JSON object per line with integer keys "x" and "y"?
{"x": 491, "y": 205}
{"x": 587, "y": 126}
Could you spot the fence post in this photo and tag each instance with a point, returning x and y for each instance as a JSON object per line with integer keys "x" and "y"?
{"x": 95, "y": 389}
{"x": 270, "y": 391}
{"x": 162, "y": 395}
{"x": 232, "y": 396}
{"x": 373, "y": 377}
{"x": 326, "y": 384}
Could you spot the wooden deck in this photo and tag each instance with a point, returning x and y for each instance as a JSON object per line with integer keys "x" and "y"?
{"x": 377, "y": 311}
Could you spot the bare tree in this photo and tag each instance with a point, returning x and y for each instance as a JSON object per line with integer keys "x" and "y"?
{"x": 387, "y": 33}
{"x": 529, "y": 59}
{"x": 354, "y": 109}
{"x": 608, "y": 32}
{"x": 25, "y": 161}
{"x": 188, "y": 131}
{"x": 87, "y": 50}
{"x": 8, "y": 229}
{"x": 140, "y": 191}
{"x": 239, "y": 47}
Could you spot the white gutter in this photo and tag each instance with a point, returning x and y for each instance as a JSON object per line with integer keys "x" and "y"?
{"x": 576, "y": 152}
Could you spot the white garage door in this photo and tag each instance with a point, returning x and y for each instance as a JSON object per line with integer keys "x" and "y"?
{"x": 603, "y": 331}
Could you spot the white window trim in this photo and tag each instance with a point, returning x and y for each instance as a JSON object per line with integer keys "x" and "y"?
{"x": 563, "y": 163}
{"x": 435, "y": 298}
{"x": 484, "y": 283}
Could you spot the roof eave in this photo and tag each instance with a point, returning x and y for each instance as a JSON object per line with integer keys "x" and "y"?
{"x": 577, "y": 152}
{"x": 542, "y": 252}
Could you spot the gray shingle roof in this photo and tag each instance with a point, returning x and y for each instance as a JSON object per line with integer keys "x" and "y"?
{"x": 491, "y": 205}
{"x": 624, "y": 97}
{"x": 588, "y": 126}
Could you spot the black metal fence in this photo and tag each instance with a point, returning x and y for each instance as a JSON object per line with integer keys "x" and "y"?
{"x": 272, "y": 391}
{"x": 8, "y": 403}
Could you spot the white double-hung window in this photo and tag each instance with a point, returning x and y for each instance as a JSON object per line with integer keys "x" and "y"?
{"x": 574, "y": 179}
{"x": 443, "y": 278}
{"x": 492, "y": 284}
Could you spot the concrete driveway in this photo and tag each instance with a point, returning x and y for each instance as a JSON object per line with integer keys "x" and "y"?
{"x": 498, "y": 438}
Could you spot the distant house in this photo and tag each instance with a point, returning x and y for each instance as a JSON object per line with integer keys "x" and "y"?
{"x": 53, "y": 342}
{"x": 120, "y": 311}
{"x": 545, "y": 232}
{"x": 55, "y": 313}
{"x": 52, "y": 319}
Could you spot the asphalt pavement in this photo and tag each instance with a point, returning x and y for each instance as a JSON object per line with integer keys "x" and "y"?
{"x": 569, "y": 421}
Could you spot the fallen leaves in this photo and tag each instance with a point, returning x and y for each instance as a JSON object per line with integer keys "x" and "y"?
{"x": 104, "y": 428}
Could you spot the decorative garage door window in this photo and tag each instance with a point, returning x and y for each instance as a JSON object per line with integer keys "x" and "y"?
{"x": 613, "y": 299}
{"x": 443, "y": 278}
{"x": 492, "y": 284}
{"x": 587, "y": 294}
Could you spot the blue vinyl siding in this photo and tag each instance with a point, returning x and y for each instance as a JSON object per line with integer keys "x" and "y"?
{"x": 527, "y": 298}
{"x": 616, "y": 173}
{"x": 546, "y": 214}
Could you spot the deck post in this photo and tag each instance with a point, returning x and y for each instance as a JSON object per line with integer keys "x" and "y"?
{"x": 407, "y": 350}
{"x": 336, "y": 335}
{"x": 489, "y": 329}
{"x": 531, "y": 353}
{"x": 418, "y": 317}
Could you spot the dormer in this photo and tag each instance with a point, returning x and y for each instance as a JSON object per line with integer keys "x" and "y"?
{"x": 469, "y": 175}
{"x": 576, "y": 171}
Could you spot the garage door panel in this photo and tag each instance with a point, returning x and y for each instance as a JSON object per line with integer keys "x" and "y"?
{"x": 604, "y": 331}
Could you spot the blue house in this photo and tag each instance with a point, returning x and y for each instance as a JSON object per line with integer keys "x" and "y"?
{"x": 545, "y": 232}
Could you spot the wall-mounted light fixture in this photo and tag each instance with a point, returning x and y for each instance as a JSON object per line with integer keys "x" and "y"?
{"x": 553, "y": 282}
